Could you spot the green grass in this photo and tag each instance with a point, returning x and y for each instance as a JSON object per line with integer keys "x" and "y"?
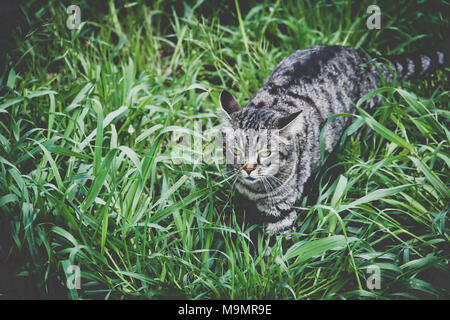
{"x": 86, "y": 133}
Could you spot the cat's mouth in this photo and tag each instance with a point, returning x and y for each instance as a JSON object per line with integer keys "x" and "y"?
{"x": 249, "y": 179}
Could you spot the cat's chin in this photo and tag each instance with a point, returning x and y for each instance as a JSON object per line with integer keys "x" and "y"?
{"x": 250, "y": 180}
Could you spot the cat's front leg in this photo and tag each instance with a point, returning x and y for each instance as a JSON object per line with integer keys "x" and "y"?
{"x": 283, "y": 224}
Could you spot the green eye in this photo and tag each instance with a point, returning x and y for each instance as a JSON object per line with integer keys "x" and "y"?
{"x": 265, "y": 154}
{"x": 236, "y": 151}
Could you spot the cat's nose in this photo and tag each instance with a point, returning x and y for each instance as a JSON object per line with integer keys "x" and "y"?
{"x": 249, "y": 168}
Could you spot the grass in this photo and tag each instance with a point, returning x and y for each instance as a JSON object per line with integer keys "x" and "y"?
{"x": 87, "y": 125}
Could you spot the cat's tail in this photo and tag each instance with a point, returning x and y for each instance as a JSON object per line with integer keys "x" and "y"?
{"x": 416, "y": 65}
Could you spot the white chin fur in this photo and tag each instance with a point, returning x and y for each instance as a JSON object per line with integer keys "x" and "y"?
{"x": 248, "y": 181}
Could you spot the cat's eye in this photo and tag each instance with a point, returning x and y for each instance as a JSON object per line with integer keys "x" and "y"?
{"x": 265, "y": 154}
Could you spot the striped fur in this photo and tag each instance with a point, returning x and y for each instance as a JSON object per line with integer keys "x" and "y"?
{"x": 408, "y": 66}
{"x": 303, "y": 92}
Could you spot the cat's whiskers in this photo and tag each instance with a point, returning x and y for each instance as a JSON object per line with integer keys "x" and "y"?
{"x": 234, "y": 181}
{"x": 281, "y": 185}
{"x": 269, "y": 192}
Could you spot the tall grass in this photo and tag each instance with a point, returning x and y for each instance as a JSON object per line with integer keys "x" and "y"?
{"x": 86, "y": 134}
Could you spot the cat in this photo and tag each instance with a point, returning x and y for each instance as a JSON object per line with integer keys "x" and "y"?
{"x": 272, "y": 145}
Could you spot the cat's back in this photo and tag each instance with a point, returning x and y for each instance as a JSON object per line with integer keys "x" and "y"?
{"x": 310, "y": 64}
{"x": 312, "y": 76}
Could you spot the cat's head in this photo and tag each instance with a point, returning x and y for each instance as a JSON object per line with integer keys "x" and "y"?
{"x": 259, "y": 142}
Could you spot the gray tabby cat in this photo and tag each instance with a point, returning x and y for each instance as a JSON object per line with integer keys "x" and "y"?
{"x": 273, "y": 143}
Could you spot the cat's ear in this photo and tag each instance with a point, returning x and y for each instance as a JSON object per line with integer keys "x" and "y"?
{"x": 290, "y": 124}
{"x": 229, "y": 103}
